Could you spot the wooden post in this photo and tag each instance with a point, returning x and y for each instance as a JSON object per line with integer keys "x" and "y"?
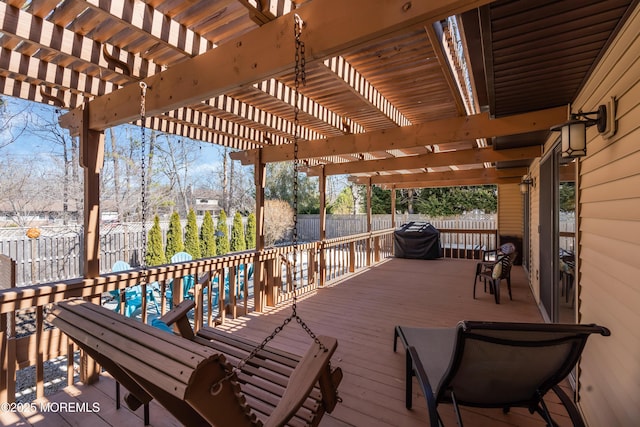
{"x": 8, "y": 389}
{"x": 352, "y": 257}
{"x": 393, "y": 206}
{"x": 322, "y": 181}
{"x": 198, "y": 296}
{"x": 368, "y": 246}
{"x": 270, "y": 271}
{"x": 231, "y": 307}
{"x": 258, "y": 281}
{"x": 221, "y": 295}
{"x": 176, "y": 291}
{"x": 393, "y": 214}
{"x": 7, "y": 333}
{"x": 3, "y": 355}
{"x": 91, "y": 160}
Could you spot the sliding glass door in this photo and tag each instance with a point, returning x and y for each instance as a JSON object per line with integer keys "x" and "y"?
{"x": 557, "y": 237}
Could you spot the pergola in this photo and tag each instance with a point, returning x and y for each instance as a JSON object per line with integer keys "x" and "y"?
{"x": 396, "y": 95}
{"x": 399, "y": 93}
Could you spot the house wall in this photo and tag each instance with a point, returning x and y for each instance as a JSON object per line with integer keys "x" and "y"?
{"x": 609, "y": 238}
{"x": 509, "y": 210}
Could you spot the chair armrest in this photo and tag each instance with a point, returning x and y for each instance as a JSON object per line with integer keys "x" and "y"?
{"x": 490, "y": 255}
{"x": 423, "y": 380}
{"x": 304, "y": 377}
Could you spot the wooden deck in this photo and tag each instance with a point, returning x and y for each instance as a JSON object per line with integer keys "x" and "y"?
{"x": 360, "y": 312}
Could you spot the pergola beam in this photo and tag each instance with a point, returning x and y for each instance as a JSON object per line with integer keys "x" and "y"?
{"x": 331, "y": 27}
{"x": 448, "y": 183}
{"x": 442, "y": 131}
{"x": 452, "y": 176}
{"x": 429, "y": 160}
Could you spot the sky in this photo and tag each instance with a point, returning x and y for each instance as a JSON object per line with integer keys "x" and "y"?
{"x": 16, "y": 113}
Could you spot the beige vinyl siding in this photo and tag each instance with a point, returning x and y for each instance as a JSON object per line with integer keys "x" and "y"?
{"x": 609, "y": 239}
{"x": 509, "y": 210}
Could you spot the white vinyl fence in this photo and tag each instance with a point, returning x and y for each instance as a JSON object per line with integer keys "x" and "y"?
{"x": 56, "y": 254}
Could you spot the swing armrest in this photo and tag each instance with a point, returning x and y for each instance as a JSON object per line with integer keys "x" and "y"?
{"x": 178, "y": 315}
{"x": 312, "y": 366}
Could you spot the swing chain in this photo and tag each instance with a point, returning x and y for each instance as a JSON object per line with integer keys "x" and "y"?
{"x": 143, "y": 184}
{"x": 300, "y": 77}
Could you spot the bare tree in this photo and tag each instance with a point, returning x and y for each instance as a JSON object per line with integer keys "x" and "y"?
{"x": 175, "y": 158}
{"x": 44, "y": 126}
{"x": 278, "y": 221}
{"x": 115, "y": 157}
{"x": 225, "y": 180}
{"x": 28, "y": 189}
{"x": 14, "y": 119}
{"x": 234, "y": 185}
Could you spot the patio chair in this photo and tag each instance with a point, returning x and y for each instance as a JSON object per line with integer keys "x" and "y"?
{"x": 496, "y": 273}
{"x": 188, "y": 281}
{"x": 240, "y": 277}
{"x": 132, "y": 295}
{"x": 493, "y": 365}
{"x": 489, "y": 259}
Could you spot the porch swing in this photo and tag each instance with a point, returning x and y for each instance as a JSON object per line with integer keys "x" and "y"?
{"x": 191, "y": 375}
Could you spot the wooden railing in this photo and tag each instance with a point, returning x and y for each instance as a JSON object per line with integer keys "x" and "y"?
{"x": 467, "y": 243}
{"x": 317, "y": 264}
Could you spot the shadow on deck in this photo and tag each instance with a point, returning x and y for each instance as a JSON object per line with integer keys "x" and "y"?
{"x": 361, "y": 312}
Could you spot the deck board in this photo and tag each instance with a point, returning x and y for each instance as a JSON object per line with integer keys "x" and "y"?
{"x": 361, "y": 312}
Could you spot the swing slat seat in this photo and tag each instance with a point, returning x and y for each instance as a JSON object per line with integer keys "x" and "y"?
{"x": 183, "y": 374}
{"x": 266, "y": 376}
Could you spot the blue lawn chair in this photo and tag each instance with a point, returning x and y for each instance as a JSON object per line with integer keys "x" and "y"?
{"x": 188, "y": 282}
{"x": 214, "y": 289}
{"x": 240, "y": 276}
{"x": 244, "y": 279}
{"x": 132, "y": 294}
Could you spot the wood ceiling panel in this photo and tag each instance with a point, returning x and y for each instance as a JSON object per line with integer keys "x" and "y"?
{"x": 543, "y": 51}
{"x": 330, "y": 90}
{"x": 406, "y": 71}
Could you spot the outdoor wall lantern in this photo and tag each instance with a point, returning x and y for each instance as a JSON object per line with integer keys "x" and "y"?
{"x": 525, "y": 183}
{"x": 574, "y": 132}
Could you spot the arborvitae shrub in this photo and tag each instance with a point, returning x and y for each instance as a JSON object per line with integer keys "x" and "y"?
{"x": 251, "y": 231}
{"x": 238, "y": 242}
{"x": 222, "y": 237}
{"x": 174, "y": 237}
{"x": 207, "y": 237}
{"x": 155, "y": 254}
{"x": 191, "y": 238}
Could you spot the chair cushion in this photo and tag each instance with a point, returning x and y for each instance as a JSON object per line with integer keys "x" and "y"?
{"x": 507, "y": 248}
{"x": 497, "y": 271}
